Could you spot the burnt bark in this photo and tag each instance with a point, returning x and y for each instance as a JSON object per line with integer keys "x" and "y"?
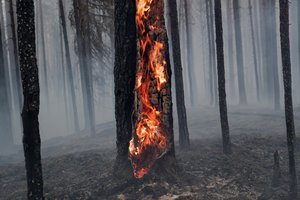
{"x": 184, "y": 140}
{"x": 221, "y": 78}
{"x": 70, "y": 77}
{"x": 239, "y": 53}
{"x": 287, "y": 80}
{"x": 31, "y": 93}
{"x": 6, "y": 136}
{"x": 124, "y": 77}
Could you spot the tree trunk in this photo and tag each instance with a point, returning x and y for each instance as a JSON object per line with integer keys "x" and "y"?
{"x": 190, "y": 57}
{"x": 184, "y": 140}
{"x": 288, "y": 99}
{"x": 153, "y": 136}
{"x": 15, "y": 47}
{"x": 254, "y": 50}
{"x": 83, "y": 63}
{"x": 239, "y": 53}
{"x": 44, "y": 56}
{"x": 31, "y": 93}
{"x": 6, "y": 133}
{"x": 69, "y": 66}
{"x": 124, "y": 78}
{"x": 221, "y": 78}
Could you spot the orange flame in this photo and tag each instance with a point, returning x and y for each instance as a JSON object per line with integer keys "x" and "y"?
{"x": 149, "y": 141}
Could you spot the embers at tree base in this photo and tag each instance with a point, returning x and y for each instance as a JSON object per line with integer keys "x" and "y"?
{"x": 152, "y": 135}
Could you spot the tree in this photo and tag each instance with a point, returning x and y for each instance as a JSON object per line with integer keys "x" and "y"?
{"x": 6, "y": 134}
{"x": 31, "y": 93}
{"x": 181, "y": 110}
{"x": 221, "y": 78}
{"x": 288, "y": 99}
{"x": 124, "y": 77}
{"x": 239, "y": 53}
{"x": 84, "y": 65}
{"x": 70, "y": 77}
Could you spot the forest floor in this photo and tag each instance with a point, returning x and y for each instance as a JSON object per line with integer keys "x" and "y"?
{"x": 80, "y": 167}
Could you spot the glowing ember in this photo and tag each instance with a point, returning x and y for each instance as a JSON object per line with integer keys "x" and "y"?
{"x": 149, "y": 141}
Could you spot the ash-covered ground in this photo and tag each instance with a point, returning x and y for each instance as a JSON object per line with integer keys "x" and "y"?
{"x": 80, "y": 167}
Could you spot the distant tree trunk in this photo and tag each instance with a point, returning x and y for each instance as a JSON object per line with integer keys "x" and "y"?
{"x": 69, "y": 66}
{"x": 124, "y": 78}
{"x": 221, "y": 78}
{"x": 83, "y": 63}
{"x": 44, "y": 56}
{"x": 239, "y": 53}
{"x": 31, "y": 93}
{"x": 288, "y": 99}
{"x": 6, "y": 133}
{"x": 15, "y": 47}
{"x": 254, "y": 50}
{"x": 272, "y": 35}
{"x": 230, "y": 48}
{"x": 298, "y": 11}
{"x": 184, "y": 140}
{"x": 190, "y": 57}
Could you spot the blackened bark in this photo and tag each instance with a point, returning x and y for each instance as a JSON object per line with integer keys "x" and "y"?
{"x": 221, "y": 78}
{"x": 15, "y": 49}
{"x": 6, "y": 136}
{"x": 124, "y": 76}
{"x": 254, "y": 50}
{"x": 288, "y": 99}
{"x": 31, "y": 93}
{"x": 239, "y": 53}
{"x": 190, "y": 58}
{"x": 69, "y": 65}
{"x": 184, "y": 140}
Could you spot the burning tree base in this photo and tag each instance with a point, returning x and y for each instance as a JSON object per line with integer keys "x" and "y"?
{"x": 153, "y": 123}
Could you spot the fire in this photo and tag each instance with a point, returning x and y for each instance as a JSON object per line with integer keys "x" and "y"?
{"x": 149, "y": 142}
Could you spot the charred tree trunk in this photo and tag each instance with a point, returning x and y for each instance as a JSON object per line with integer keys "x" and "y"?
{"x": 184, "y": 140}
{"x": 288, "y": 99}
{"x": 31, "y": 93}
{"x": 239, "y": 53}
{"x": 81, "y": 38}
{"x": 221, "y": 78}
{"x": 190, "y": 58}
{"x": 44, "y": 56}
{"x": 124, "y": 78}
{"x": 69, "y": 66}
{"x": 254, "y": 50}
{"x": 15, "y": 49}
{"x": 6, "y": 134}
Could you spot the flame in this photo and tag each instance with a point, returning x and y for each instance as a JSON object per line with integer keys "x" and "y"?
{"x": 149, "y": 142}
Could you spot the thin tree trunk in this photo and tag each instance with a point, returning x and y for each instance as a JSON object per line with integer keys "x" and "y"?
{"x": 44, "y": 56}
{"x": 15, "y": 47}
{"x": 69, "y": 66}
{"x": 31, "y": 93}
{"x": 288, "y": 99}
{"x": 190, "y": 58}
{"x": 124, "y": 78}
{"x": 184, "y": 140}
{"x": 221, "y": 78}
{"x": 6, "y": 133}
{"x": 239, "y": 53}
{"x": 254, "y": 50}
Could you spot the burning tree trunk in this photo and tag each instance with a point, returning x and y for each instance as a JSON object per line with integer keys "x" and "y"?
{"x": 153, "y": 121}
{"x": 288, "y": 99}
{"x": 221, "y": 78}
{"x": 124, "y": 77}
{"x": 184, "y": 140}
{"x": 31, "y": 93}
